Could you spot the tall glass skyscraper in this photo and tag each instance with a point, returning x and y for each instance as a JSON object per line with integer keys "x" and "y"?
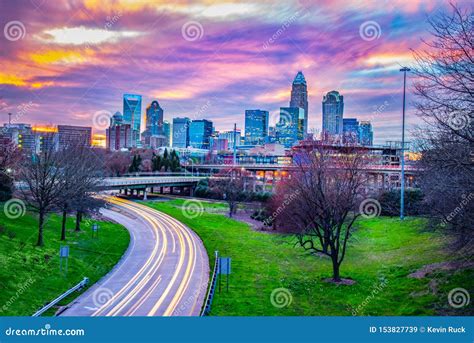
{"x": 350, "y": 130}
{"x": 154, "y": 119}
{"x": 366, "y": 135}
{"x": 333, "y": 110}
{"x": 290, "y": 128}
{"x": 200, "y": 132}
{"x": 167, "y": 131}
{"x": 132, "y": 114}
{"x": 299, "y": 97}
{"x": 181, "y": 132}
{"x": 256, "y": 127}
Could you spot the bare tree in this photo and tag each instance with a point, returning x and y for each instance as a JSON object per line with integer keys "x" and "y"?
{"x": 329, "y": 187}
{"x": 445, "y": 100}
{"x": 82, "y": 176}
{"x": 43, "y": 183}
{"x": 229, "y": 185}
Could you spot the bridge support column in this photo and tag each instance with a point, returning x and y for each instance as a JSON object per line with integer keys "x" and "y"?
{"x": 151, "y": 189}
{"x": 191, "y": 191}
{"x": 171, "y": 189}
{"x": 161, "y": 190}
{"x": 144, "y": 195}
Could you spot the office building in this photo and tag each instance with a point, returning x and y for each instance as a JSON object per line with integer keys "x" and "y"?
{"x": 290, "y": 128}
{"x": 167, "y": 132}
{"x": 68, "y": 134}
{"x": 132, "y": 114}
{"x": 199, "y": 133}
{"x": 21, "y": 135}
{"x": 366, "y": 135}
{"x": 350, "y": 130}
{"x": 256, "y": 127}
{"x": 229, "y": 136}
{"x": 181, "y": 132}
{"x": 333, "y": 109}
{"x": 299, "y": 97}
{"x": 154, "y": 126}
{"x": 119, "y": 134}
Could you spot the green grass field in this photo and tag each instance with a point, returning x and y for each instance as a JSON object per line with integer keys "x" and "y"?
{"x": 382, "y": 252}
{"x": 30, "y": 276}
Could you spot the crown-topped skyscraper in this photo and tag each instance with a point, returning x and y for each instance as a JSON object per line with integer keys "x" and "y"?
{"x": 299, "y": 97}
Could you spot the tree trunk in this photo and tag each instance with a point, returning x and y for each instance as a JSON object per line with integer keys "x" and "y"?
{"x": 78, "y": 220}
{"x": 40, "y": 229}
{"x": 63, "y": 225}
{"x": 335, "y": 270}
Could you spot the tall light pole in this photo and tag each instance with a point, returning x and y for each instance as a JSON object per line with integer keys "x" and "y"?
{"x": 402, "y": 185}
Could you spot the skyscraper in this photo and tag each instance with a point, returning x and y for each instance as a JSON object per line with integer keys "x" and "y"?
{"x": 366, "y": 135}
{"x": 290, "y": 128}
{"x": 299, "y": 97}
{"x": 199, "y": 133}
{"x": 132, "y": 114}
{"x": 256, "y": 127}
{"x": 118, "y": 135}
{"x": 154, "y": 124}
{"x": 167, "y": 132}
{"x": 350, "y": 130}
{"x": 333, "y": 110}
{"x": 181, "y": 132}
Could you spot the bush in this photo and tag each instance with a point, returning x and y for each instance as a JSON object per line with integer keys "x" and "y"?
{"x": 390, "y": 202}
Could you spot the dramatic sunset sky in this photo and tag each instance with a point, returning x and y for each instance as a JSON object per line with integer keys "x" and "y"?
{"x": 68, "y": 61}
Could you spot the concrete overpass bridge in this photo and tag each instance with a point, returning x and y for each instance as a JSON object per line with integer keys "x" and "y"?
{"x": 152, "y": 184}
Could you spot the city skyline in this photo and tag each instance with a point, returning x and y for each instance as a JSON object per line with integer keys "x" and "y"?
{"x": 82, "y": 60}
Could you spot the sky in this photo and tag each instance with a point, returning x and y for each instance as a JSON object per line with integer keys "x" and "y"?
{"x": 70, "y": 62}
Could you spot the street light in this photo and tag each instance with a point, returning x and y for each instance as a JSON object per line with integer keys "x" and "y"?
{"x": 402, "y": 186}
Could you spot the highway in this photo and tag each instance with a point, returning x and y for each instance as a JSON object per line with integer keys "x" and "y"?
{"x": 165, "y": 271}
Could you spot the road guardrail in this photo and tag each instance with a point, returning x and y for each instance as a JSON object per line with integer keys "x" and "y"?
{"x": 212, "y": 288}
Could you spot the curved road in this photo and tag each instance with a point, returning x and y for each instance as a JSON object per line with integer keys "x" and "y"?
{"x": 164, "y": 272}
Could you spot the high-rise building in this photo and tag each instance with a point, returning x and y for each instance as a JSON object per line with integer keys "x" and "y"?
{"x": 350, "y": 130}
{"x": 68, "y": 134}
{"x": 299, "y": 97}
{"x": 229, "y": 135}
{"x": 167, "y": 132}
{"x": 154, "y": 125}
{"x": 199, "y": 133}
{"x": 181, "y": 132}
{"x": 290, "y": 128}
{"x": 333, "y": 110}
{"x": 132, "y": 114}
{"x": 256, "y": 127}
{"x": 21, "y": 135}
{"x": 119, "y": 133}
{"x": 366, "y": 135}
{"x": 47, "y": 138}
